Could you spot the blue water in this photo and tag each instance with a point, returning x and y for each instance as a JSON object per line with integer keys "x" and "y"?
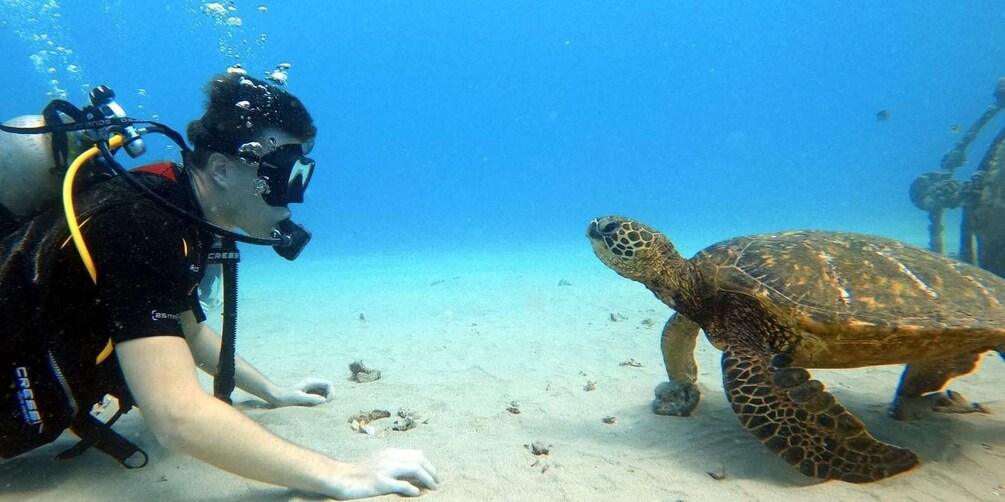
{"x": 493, "y": 125}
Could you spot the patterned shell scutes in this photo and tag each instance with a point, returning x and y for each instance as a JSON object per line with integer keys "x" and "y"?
{"x": 834, "y": 277}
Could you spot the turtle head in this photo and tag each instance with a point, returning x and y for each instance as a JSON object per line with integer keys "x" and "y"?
{"x": 632, "y": 249}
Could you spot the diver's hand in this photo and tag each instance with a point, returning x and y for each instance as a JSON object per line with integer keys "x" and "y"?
{"x": 310, "y": 391}
{"x": 403, "y": 472}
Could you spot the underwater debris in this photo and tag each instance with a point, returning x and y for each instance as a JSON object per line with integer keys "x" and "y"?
{"x": 609, "y": 420}
{"x": 631, "y": 362}
{"x": 514, "y": 407}
{"x": 360, "y": 422}
{"x": 363, "y": 428}
{"x": 563, "y": 282}
{"x": 407, "y": 422}
{"x": 362, "y": 374}
{"x": 590, "y": 385}
{"x": 718, "y": 476}
{"x": 883, "y": 115}
{"x": 538, "y": 448}
{"x": 369, "y": 416}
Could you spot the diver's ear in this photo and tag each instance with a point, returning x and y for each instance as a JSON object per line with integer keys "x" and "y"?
{"x": 218, "y": 166}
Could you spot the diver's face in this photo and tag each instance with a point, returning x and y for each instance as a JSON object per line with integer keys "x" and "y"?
{"x": 254, "y": 215}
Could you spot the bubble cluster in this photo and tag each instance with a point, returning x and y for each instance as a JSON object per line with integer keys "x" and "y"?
{"x": 38, "y": 24}
{"x": 234, "y": 41}
{"x": 280, "y": 75}
{"x": 215, "y": 9}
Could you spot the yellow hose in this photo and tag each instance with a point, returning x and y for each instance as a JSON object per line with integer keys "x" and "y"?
{"x": 71, "y": 213}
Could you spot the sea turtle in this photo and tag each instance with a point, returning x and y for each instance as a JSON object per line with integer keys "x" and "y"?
{"x": 778, "y": 303}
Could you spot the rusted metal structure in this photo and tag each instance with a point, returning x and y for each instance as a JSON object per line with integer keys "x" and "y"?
{"x": 982, "y": 197}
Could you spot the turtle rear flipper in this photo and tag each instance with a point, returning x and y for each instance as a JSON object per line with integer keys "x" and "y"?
{"x": 795, "y": 418}
{"x": 921, "y": 382}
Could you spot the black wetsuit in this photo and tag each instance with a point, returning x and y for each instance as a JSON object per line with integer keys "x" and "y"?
{"x": 8, "y": 222}
{"x": 54, "y": 321}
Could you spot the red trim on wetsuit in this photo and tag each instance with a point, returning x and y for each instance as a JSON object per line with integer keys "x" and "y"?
{"x": 165, "y": 169}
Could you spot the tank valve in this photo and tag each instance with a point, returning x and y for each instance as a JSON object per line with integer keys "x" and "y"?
{"x": 103, "y": 98}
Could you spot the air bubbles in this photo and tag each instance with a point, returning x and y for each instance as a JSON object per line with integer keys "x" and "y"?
{"x": 252, "y": 148}
{"x": 279, "y": 75}
{"x": 224, "y": 15}
{"x": 214, "y": 9}
{"x": 39, "y": 24}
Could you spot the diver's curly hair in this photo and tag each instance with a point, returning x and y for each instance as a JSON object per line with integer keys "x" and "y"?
{"x": 239, "y": 108}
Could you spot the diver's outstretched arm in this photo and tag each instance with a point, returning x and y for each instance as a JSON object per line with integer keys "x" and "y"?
{"x": 204, "y": 343}
{"x": 160, "y": 372}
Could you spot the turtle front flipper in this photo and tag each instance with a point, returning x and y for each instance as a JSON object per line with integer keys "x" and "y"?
{"x": 680, "y": 395}
{"x": 795, "y": 418}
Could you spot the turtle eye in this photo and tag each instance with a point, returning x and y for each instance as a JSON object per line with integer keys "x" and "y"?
{"x": 610, "y": 227}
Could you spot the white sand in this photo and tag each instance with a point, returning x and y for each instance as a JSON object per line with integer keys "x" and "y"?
{"x": 458, "y": 338}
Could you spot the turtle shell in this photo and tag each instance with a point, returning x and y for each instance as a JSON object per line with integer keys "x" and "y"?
{"x": 851, "y": 292}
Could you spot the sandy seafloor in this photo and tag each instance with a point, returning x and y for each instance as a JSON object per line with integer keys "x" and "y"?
{"x": 458, "y": 336}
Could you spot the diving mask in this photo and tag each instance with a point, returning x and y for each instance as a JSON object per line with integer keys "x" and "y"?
{"x": 285, "y": 171}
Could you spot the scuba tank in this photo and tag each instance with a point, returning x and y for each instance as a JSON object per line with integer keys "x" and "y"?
{"x": 33, "y": 165}
{"x": 29, "y": 179}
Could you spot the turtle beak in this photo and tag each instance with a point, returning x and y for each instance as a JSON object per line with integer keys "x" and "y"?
{"x": 592, "y": 230}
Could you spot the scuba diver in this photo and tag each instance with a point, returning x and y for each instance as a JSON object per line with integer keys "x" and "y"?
{"x": 99, "y": 296}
